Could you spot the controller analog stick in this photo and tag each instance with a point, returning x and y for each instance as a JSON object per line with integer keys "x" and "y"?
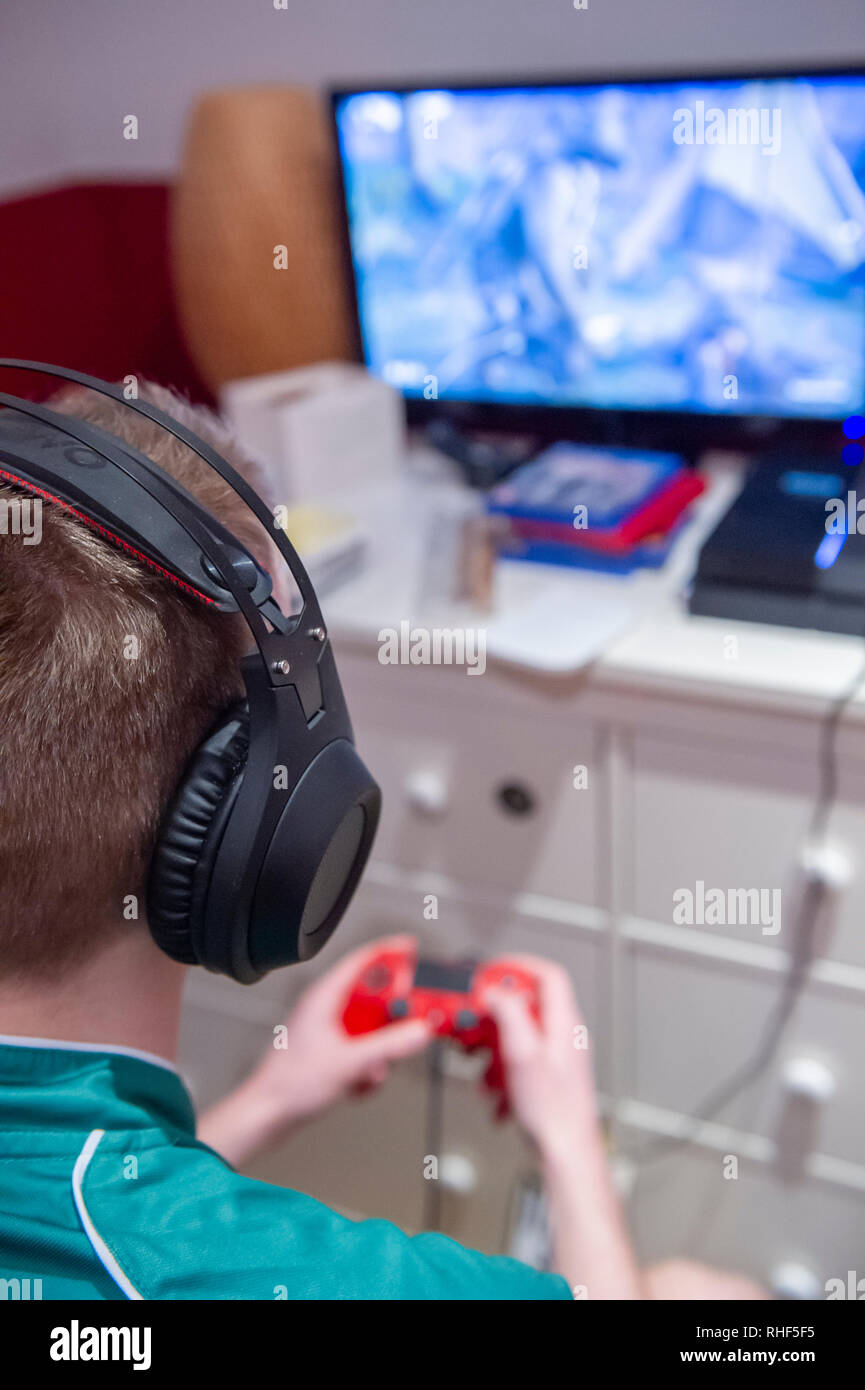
{"x": 467, "y": 1018}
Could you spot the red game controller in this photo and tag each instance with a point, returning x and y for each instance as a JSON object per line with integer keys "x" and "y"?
{"x": 397, "y": 985}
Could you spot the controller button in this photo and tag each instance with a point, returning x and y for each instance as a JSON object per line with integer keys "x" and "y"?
{"x": 467, "y": 1018}
{"x": 398, "y": 1008}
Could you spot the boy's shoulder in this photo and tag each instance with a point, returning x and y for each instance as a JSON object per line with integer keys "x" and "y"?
{"x": 172, "y": 1220}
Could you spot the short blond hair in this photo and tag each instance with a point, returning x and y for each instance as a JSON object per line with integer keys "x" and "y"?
{"x": 92, "y": 743}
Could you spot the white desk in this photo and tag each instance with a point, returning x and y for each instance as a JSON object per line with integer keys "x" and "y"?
{"x": 666, "y": 649}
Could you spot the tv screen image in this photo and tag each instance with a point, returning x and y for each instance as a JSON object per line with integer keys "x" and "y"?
{"x": 693, "y": 246}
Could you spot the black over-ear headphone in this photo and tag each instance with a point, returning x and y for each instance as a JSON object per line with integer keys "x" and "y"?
{"x": 268, "y": 833}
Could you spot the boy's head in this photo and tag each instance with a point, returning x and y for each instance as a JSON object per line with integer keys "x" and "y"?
{"x": 109, "y": 677}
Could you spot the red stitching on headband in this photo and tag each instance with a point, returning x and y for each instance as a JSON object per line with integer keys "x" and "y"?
{"x": 109, "y": 535}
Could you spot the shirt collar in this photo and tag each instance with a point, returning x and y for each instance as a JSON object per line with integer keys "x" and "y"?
{"x": 47, "y": 1085}
{"x": 57, "y": 1045}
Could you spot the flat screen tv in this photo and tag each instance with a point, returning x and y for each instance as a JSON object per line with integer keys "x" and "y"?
{"x": 667, "y": 259}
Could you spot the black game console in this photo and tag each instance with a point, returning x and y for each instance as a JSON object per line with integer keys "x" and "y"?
{"x": 771, "y": 558}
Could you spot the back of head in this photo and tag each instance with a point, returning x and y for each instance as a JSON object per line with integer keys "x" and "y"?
{"x": 109, "y": 677}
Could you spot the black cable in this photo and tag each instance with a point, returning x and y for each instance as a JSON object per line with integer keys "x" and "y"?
{"x": 801, "y": 955}
{"x": 434, "y": 1133}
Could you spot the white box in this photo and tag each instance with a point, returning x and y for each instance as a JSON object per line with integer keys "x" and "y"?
{"x": 320, "y": 430}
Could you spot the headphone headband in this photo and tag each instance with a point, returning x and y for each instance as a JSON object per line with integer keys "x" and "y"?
{"x": 163, "y": 526}
{"x": 267, "y": 834}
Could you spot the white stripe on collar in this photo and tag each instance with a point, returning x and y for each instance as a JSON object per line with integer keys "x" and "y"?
{"x": 56, "y": 1045}
{"x": 100, "y": 1247}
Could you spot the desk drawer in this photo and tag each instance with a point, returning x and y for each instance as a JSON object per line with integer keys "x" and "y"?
{"x": 733, "y": 818}
{"x": 490, "y": 802}
{"x": 751, "y": 1224}
{"x": 693, "y": 1023}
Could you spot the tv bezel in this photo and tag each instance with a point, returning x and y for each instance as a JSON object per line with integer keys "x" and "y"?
{"x": 690, "y": 432}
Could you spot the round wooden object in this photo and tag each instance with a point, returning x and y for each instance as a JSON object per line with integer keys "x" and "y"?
{"x": 259, "y": 173}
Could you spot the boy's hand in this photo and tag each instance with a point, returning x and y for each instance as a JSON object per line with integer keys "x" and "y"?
{"x": 548, "y": 1073}
{"x": 551, "y": 1091}
{"x": 316, "y": 1063}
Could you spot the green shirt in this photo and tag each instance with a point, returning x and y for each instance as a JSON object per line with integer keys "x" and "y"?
{"x": 105, "y": 1193}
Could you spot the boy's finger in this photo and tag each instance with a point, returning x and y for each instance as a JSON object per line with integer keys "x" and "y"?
{"x": 518, "y": 1031}
{"x": 377, "y": 1074}
{"x": 390, "y": 1043}
{"x": 559, "y": 1008}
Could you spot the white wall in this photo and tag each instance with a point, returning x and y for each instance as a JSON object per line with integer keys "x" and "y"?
{"x": 71, "y": 69}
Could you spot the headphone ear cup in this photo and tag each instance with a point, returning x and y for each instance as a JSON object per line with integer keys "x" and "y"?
{"x": 190, "y": 833}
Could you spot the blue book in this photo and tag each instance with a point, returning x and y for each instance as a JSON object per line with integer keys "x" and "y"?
{"x": 611, "y": 484}
{"x": 650, "y": 556}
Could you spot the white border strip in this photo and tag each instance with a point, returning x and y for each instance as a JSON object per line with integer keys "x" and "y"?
{"x": 105, "y": 1256}
{"x": 17, "y": 1040}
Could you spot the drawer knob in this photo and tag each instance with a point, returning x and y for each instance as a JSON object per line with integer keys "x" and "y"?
{"x": 795, "y": 1281}
{"x": 457, "y": 1173}
{"x": 808, "y": 1078}
{"x": 427, "y": 793}
{"x": 808, "y": 1085}
{"x": 516, "y": 798}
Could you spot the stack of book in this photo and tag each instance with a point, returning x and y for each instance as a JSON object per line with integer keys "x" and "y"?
{"x": 598, "y": 508}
